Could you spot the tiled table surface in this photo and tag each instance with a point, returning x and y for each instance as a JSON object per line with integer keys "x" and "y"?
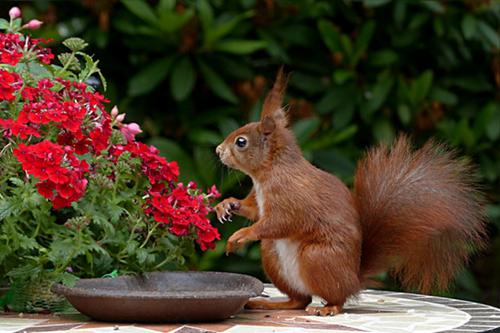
{"x": 372, "y": 311}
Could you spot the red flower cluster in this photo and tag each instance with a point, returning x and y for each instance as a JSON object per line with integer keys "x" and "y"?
{"x": 14, "y": 46}
{"x": 182, "y": 211}
{"x": 9, "y": 83}
{"x": 61, "y": 174}
{"x": 59, "y": 125}
{"x": 172, "y": 204}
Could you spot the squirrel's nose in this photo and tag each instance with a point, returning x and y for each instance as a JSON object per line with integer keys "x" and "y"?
{"x": 218, "y": 150}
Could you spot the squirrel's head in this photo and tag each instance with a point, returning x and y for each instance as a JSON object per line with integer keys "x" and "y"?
{"x": 253, "y": 147}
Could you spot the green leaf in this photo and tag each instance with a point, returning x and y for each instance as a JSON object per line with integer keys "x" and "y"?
{"x": 340, "y": 76}
{"x": 399, "y": 12}
{"x": 469, "y": 26}
{"x": 489, "y": 34}
{"x": 404, "y": 114}
{"x": 444, "y": 96}
{"x": 383, "y": 58}
{"x": 375, "y": 3}
{"x": 171, "y": 21}
{"x": 215, "y": 32}
{"x": 141, "y": 255}
{"x": 363, "y": 40}
{"x": 304, "y": 128}
{"x": 166, "y": 6}
{"x": 240, "y": 46}
{"x": 207, "y": 165}
{"x": 7, "y": 208}
{"x": 68, "y": 279}
{"x": 308, "y": 83}
{"x": 330, "y": 36}
{"x": 379, "y": 92}
{"x": 217, "y": 84}
{"x": 183, "y": 79}
{"x": 434, "y": 6}
{"x": 141, "y": 9}
{"x": 421, "y": 86}
{"x": 206, "y": 14}
{"x": 228, "y": 125}
{"x": 205, "y": 137}
{"x": 493, "y": 125}
{"x": 336, "y": 162}
{"x": 383, "y": 131}
{"x": 75, "y": 44}
{"x": 4, "y": 24}
{"x": 149, "y": 77}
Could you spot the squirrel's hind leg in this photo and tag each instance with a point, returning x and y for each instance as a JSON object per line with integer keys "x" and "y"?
{"x": 331, "y": 273}
{"x": 273, "y": 270}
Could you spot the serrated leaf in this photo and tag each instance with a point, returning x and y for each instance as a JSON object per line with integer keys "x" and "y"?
{"x": 150, "y": 76}
{"x": 75, "y": 44}
{"x": 141, "y": 9}
{"x": 183, "y": 79}
{"x": 141, "y": 255}
{"x": 68, "y": 279}
{"x": 217, "y": 84}
{"x": 69, "y": 61}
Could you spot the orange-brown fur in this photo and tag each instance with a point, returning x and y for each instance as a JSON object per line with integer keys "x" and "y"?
{"x": 414, "y": 213}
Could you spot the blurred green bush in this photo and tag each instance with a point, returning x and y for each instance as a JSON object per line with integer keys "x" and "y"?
{"x": 192, "y": 71}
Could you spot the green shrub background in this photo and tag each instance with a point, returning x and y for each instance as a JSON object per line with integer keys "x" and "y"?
{"x": 190, "y": 72}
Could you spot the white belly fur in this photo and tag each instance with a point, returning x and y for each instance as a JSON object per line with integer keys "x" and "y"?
{"x": 286, "y": 250}
{"x": 289, "y": 264}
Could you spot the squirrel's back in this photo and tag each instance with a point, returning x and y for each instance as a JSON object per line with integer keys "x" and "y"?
{"x": 420, "y": 211}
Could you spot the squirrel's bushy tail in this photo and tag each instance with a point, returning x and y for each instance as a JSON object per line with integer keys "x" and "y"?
{"x": 421, "y": 213}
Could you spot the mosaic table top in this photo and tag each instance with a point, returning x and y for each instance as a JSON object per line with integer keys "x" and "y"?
{"x": 372, "y": 311}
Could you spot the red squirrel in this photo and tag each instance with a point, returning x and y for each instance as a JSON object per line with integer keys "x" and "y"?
{"x": 414, "y": 213}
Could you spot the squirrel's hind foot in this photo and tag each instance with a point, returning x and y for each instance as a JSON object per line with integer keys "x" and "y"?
{"x": 323, "y": 311}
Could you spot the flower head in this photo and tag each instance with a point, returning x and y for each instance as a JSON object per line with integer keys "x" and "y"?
{"x": 33, "y": 24}
{"x": 14, "y": 13}
{"x": 129, "y": 131}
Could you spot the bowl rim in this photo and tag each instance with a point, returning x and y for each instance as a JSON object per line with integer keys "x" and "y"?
{"x": 93, "y": 292}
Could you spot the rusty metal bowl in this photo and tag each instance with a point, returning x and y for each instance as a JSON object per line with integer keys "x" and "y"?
{"x": 162, "y": 296}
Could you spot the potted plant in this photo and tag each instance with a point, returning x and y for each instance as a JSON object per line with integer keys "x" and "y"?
{"x": 79, "y": 196}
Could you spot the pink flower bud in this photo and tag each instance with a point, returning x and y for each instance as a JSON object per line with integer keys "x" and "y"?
{"x": 33, "y": 24}
{"x": 120, "y": 117}
{"x": 130, "y": 131}
{"x": 114, "y": 111}
{"x": 14, "y": 13}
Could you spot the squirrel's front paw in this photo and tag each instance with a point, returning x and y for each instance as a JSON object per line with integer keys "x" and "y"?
{"x": 225, "y": 209}
{"x": 239, "y": 238}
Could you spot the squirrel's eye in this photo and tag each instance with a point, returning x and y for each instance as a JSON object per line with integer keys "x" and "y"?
{"x": 241, "y": 142}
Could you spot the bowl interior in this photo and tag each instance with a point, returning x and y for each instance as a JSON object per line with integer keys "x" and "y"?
{"x": 170, "y": 284}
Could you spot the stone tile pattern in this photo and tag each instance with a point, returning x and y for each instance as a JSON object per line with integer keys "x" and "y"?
{"x": 371, "y": 311}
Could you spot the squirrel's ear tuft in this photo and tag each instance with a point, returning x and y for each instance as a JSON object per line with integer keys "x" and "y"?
{"x": 267, "y": 125}
{"x": 273, "y": 103}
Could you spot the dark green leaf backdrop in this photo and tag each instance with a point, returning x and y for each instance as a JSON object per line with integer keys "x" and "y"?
{"x": 190, "y": 72}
